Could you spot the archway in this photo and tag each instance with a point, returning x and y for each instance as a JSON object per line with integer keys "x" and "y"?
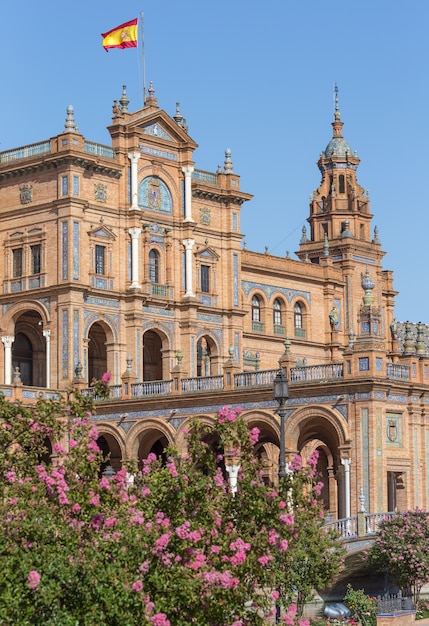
{"x": 97, "y": 352}
{"x": 152, "y": 356}
{"x": 317, "y": 428}
{"x": 111, "y": 450}
{"x": 29, "y": 349}
{"x": 207, "y": 356}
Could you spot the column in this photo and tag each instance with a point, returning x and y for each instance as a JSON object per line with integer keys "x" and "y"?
{"x": 7, "y": 342}
{"x": 187, "y": 170}
{"x": 47, "y": 336}
{"x": 346, "y": 493}
{"x": 134, "y": 157}
{"x": 188, "y": 243}
{"x": 135, "y": 234}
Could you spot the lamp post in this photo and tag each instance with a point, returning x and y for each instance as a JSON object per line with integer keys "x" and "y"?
{"x": 281, "y": 394}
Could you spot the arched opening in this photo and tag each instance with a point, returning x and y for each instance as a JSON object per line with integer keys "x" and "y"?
{"x": 29, "y": 349}
{"x": 111, "y": 452}
{"x": 151, "y": 441}
{"x": 97, "y": 352}
{"x": 207, "y": 361}
{"x": 152, "y": 356}
{"x": 256, "y": 309}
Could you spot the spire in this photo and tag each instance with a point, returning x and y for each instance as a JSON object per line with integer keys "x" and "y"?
{"x": 337, "y": 115}
{"x": 337, "y": 124}
{"x": 70, "y": 125}
{"x": 179, "y": 119}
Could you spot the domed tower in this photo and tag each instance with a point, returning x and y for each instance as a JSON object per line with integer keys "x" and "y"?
{"x": 340, "y": 226}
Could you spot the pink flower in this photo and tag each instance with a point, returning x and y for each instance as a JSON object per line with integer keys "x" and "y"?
{"x": 296, "y": 463}
{"x": 160, "y": 619}
{"x": 263, "y": 560}
{"x": 254, "y": 436}
{"x": 137, "y": 586}
{"x": 106, "y": 378}
{"x": 33, "y": 579}
{"x": 95, "y": 500}
{"x": 104, "y": 483}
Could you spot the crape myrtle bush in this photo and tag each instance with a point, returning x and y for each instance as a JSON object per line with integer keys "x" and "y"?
{"x": 165, "y": 545}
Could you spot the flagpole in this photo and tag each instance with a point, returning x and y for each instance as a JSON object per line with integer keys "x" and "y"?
{"x": 143, "y": 57}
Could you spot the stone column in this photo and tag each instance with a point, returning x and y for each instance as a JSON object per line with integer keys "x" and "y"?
{"x": 134, "y": 157}
{"x": 47, "y": 336}
{"x": 189, "y": 244}
{"x": 346, "y": 492}
{"x": 187, "y": 170}
{"x": 7, "y": 342}
{"x": 135, "y": 234}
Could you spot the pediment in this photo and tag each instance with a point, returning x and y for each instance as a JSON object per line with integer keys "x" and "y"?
{"x": 208, "y": 254}
{"x": 160, "y": 126}
{"x": 102, "y": 231}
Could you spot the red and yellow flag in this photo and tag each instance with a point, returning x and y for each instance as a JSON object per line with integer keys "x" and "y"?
{"x": 123, "y": 36}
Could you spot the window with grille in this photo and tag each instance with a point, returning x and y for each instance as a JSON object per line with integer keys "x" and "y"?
{"x": 205, "y": 278}
{"x": 277, "y": 312}
{"x": 17, "y": 262}
{"x": 100, "y": 261}
{"x": 297, "y": 315}
{"x": 154, "y": 266}
{"x": 256, "y": 309}
{"x": 35, "y": 259}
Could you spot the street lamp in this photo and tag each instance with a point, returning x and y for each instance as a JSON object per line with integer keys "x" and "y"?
{"x": 281, "y": 394}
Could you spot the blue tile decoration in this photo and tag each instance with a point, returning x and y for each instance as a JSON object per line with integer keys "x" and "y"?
{"x": 65, "y": 347}
{"x": 76, "y": 336}
{"x": 75, "y": 250}
{"x": 154, "y": 195}
{"x": 155, "y": 130}
{"x": 269, "y": 290}
{"x": 159, "y": 153}
{"x": 109, "y": 302}
{"x": 235, "y": 278}
{"x": 363, "y": 364}
{"x": 65, "y": 251}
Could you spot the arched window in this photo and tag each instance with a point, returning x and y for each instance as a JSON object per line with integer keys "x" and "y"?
{"x": 154, "y": 266}
{"x": 256, "y": 309}
{"x": 277, "y": 312}
{"x": 297, "y": 315}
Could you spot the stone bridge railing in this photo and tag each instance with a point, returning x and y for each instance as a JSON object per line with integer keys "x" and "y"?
{"x": 362, "y": 525}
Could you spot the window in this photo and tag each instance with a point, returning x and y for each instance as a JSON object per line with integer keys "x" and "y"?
{"x": 100, "y": 259}
{"x": 342, "y": 184}
{"x": 256, "y": 309}
{"x": 277, "y": 313}
{"x": 35, "y": 258}
{"x": 17, "y": 262}
{"x": 297, "y": 311}
{"x": 205, "y": 278}
{"x": 64, "y": 185}
{"x": 154, "y": 266}
{"x": 75, "y": 185}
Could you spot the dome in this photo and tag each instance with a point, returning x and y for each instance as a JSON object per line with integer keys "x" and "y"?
{"x": 339, "y": 147}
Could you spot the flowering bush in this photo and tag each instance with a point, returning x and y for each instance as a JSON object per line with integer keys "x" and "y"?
{"x": 401, "y": 549}
{"x": 363, "y": 608}
{"x": 170, "y": 547}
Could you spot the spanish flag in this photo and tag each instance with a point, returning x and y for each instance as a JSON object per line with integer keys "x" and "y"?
{"x": 123, "y": 36}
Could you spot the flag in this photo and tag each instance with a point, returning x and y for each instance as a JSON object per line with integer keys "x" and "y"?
{"x": 123, "y": 36}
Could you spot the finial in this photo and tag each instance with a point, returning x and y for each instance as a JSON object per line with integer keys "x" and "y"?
{"x": 337, "y": 106}
{"x": 70, "y": 125}
{"x": 151, "y": 89}
{"x": 227, "y": 166}
{"x": 376, "y": 237}
{"x": 179, "y": 119}
{"x": 304, "y": 237}
{"x": 326, "y": 246}
{"x": 219, "y": 169}
{"x": 124, "y": 101}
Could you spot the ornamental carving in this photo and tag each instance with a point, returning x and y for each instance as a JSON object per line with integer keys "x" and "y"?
{"x": 205, "y": 216}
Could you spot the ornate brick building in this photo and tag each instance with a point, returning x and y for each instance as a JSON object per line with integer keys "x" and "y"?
{"x": 128, "y": 259}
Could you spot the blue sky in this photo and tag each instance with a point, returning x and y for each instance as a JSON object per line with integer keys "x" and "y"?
{"x": 257, "y": 78}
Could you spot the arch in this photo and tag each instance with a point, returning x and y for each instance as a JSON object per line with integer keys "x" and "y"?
{"x": 29, "y": 347}
{"x": 298, "y": 310}
{"x": 111, "y": 443}
{"x": 279, "y": 309}
{"x": 207, "y": 353}
{"x": 152, "y": 356}
{"x": 256, "y": 308}
{"x": 151, "y": 437}
{"x": 97, "y": 352}
{"x": 320, "y": 428}
{"x": 109, "y": 326}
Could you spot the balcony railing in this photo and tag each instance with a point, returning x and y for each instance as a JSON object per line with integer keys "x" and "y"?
{"x": 25, "y": 152}
{"x": 151, "y": 388}
{"x": 255, "y": 379}
{"x": 99, "y": 150}
{"x": 202, "y": 383}
{"x": 309, "y": 373}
